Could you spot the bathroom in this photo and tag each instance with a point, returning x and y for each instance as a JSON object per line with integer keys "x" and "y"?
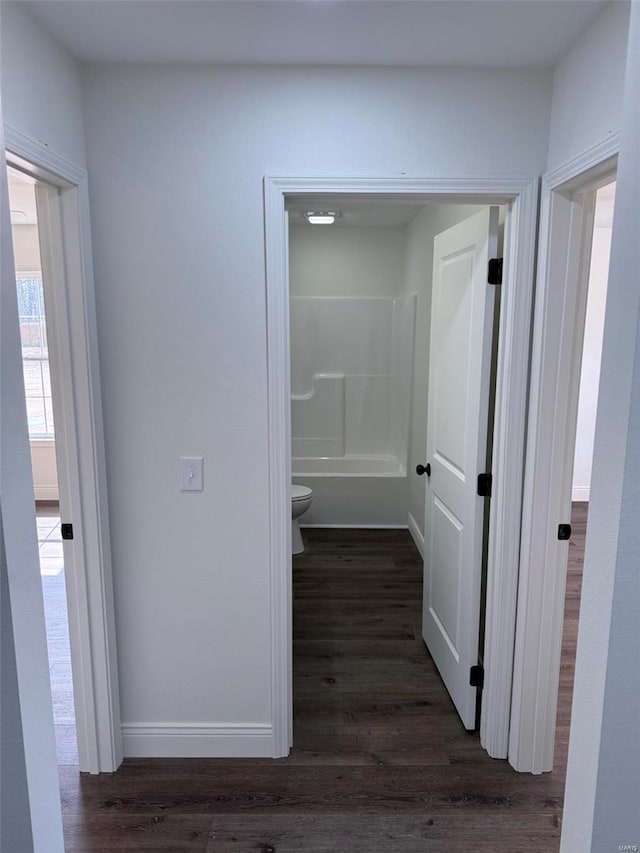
{"x": 360, "y": 308}
{"x": 375, "y": 289}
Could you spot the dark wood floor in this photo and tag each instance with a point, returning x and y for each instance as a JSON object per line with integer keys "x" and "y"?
{"x": 380, "y": 760}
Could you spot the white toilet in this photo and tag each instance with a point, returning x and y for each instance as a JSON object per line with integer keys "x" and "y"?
{"x": 301, "y": 497}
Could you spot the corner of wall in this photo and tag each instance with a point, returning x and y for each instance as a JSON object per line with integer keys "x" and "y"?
{"x": 41, "y": 97}
{"x": 588, "y": 85}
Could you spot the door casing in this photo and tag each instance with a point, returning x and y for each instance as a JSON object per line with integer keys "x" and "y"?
{"x": 561, "y": 295}
{"x": 80, "y": 454}
{"x": 520, "y": 195}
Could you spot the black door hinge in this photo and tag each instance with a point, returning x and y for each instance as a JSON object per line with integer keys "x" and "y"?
{"x": 564, "y": 531}
{"x": 67, "y": 531}
{"x": 476, "y": 676}
{"x": 484, "y": 485}
{"x": 494, "y": 273}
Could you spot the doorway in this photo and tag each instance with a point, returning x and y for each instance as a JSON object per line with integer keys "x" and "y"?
{"x": 567, "y": 237}
{"x": 359, "y": 287}
{"x": 508, "y": 443}
{"x": 596, "y": 300}
{"x": 34, "y": 337}
{"x": 595, "y": 284}
{"x": 66, "y": 397}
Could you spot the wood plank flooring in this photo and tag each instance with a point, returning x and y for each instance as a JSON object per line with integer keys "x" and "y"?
{"x": 380, "y": 759}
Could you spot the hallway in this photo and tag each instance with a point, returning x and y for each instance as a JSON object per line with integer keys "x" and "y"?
{"x": 380, "y": 759}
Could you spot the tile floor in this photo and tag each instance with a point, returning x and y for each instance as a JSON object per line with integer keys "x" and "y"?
{"x": 55, "y": 610}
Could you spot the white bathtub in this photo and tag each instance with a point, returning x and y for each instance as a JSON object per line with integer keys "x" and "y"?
{"x": 347, "y": 466}
{"x": 354, "y": 491}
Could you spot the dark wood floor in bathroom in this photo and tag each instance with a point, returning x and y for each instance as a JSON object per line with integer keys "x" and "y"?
{"x": 380, "y": 760}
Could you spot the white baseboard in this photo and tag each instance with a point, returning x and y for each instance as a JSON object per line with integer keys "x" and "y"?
{"x": 356, "y": 526}
{"x": 418, "y": 538}
{"x": 191, "y": 741}
{"x": 46, "y": 493}
{"x": 580, "y": 493}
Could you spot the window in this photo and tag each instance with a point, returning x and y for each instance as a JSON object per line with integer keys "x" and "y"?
{"x": 35, "y": 355}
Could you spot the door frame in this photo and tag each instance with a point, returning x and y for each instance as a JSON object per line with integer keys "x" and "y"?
{"x": 80, "y": 452}
{"x": 561, "y": 293}
{"x": 521, "y": 196}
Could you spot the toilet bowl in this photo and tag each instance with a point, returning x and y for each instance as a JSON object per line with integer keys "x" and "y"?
{"x": 301, "y": 497}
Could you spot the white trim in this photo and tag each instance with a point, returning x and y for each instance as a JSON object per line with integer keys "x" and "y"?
{"x": 80, "y": 455}
{"x": 580, "y": 494}
{"x": 354, "y": 526}
{"x": 512, "y": 379}
{"x": 416, "y": 535}
{"x": 279, "y": 432}
{"x": 594, "y": 160}
{"x": 382, "y": 475}
{"x": 180, "y": 740}
{"x": 46, "y": 493}
{"x": 521, "y": 194}
{"x": 566, "y": 222}
{"x": 45, "y": 161}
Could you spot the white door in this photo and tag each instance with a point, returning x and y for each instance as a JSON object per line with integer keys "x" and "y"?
{"x": 458, "y": 412}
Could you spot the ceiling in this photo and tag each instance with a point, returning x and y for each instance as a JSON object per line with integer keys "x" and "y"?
{"x": 472, "y": 33}
{"x": 354, "y": 213}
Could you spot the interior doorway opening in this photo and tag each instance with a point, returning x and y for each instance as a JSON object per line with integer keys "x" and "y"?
{"x": 596, "y": 300}
{"x": 361, "y": 279}
{"x": 35, "y": 336}
{"x": 71, "y": 337}
{"x": 599, "y": 200}
{"x": 544, "y": 611}
{"x": 520, "y": 195}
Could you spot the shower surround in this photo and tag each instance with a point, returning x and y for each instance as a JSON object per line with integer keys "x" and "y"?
{"x": 351, "y": 381}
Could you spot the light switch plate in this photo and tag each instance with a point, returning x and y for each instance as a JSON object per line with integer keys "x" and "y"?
{"x": 192, "y": 473}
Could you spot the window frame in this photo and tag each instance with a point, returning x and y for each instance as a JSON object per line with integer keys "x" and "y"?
{"x": 48, "y": 435}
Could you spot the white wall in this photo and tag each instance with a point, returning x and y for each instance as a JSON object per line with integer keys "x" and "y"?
{"x": 41, "y": 91}
{"x": 431, "y": 220}
{"x": 592, "y": 348}
{"x": 179, "y": 258}
{"x": 587, "y": 87}
{"x": 39, "y": 97}
{"x": 345, "y": 261}
{"x": 15, "y": 829}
